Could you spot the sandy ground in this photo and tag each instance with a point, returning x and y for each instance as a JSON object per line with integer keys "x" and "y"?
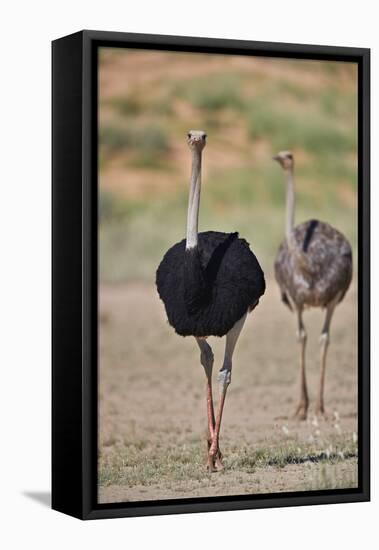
{"x": 152, "y": 403}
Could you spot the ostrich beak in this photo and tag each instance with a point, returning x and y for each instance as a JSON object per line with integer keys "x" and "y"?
{"x": 276, "y": 157}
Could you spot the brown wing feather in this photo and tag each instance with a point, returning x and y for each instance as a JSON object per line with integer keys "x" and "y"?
{"x": 318, "y": 269}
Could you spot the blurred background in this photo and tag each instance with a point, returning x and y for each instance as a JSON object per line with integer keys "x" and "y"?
{"x": 152, "y": 413}
{"x": 250, "y": 108}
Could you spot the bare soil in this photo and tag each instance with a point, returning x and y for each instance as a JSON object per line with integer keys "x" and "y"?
{"x": 152, "y": 411}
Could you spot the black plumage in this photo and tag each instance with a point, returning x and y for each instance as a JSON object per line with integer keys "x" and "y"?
{"x": 206, "y": 290}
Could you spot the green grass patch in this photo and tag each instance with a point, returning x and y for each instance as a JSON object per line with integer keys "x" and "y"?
{"x": 141, "y": 464}
{"x": 150, "y": 140}
{"x": 135, "y": 104}
{"x": 213, "y": 94}
{"x": 131, "y": 104}
{"x": 131, "y": 466}
{"x": 294, "y": 129}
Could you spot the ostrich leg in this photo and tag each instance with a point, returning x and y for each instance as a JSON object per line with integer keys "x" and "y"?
{"x": 224, "y": 378}
{"x": 324, "y": 341}
{"x": 302, "y": 409}
{"x": 206, "y": 359}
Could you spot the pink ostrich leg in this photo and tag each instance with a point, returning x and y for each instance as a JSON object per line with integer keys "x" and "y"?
{"x": 206, "y": 358}
{"x": 224, "y": 378}
{"x": 210, "y": 412}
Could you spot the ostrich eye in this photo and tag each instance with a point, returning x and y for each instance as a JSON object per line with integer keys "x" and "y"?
{"x": 204, "y": 136}
{"x": 189, "y": 135}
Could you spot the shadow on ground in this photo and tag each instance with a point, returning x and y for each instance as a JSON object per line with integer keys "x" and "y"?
{"x": 42, "y": 497}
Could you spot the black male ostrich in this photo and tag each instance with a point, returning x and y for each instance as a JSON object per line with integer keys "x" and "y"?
{"x": 313, "y": 268}
{"x": 208, "y": 283}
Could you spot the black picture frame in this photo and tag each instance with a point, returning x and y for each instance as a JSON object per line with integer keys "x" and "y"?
{"x": 74, "y": 273}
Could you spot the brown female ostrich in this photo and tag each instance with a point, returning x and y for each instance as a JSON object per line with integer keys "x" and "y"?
{"x": 208, "y": 283}
{"x": 313, "y": 268}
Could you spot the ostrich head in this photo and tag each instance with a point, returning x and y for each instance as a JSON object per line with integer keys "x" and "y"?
{"x": 285, "y": 159}
{"x": 196, "y": 140}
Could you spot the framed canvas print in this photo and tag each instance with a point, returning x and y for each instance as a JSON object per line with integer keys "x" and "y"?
{"x": 210, "y": 274}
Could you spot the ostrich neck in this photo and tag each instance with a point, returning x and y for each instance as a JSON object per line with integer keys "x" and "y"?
{"x": 290, "y": 210}
{"x": 194, "y": 201}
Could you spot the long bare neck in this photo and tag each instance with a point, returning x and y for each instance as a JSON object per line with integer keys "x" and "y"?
{"x": 290, "y": 207}
{"x": 194, "y": 200}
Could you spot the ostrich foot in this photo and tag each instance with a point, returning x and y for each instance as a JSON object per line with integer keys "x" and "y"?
{"x": 321, "y": 413}
{"x": 301, "y": 412}
{"x": 219, "y": 463}
{"x": 214, "y": 462}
